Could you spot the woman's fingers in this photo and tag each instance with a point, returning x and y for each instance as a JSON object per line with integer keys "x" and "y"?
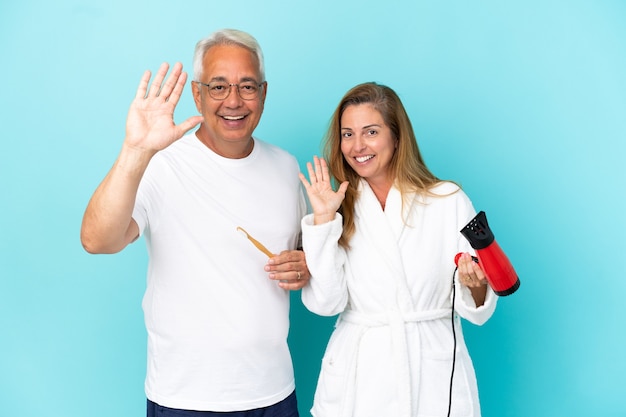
{"x": 318, "y": 169}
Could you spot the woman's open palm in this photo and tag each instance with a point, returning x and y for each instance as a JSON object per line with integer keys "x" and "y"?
{"x": 324, "y": 200}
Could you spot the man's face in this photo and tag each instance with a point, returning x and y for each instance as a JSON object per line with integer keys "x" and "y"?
{"x": 232, "y": 120}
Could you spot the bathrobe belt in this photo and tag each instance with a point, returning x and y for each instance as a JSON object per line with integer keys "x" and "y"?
{"x": 397, "y": 321}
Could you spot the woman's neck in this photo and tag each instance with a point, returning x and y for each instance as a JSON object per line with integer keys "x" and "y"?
{"x": 381, "y": 190}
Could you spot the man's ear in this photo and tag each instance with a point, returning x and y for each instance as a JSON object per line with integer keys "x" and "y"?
{"x": 264, "y": 93}
{"x": 196, "y": 92}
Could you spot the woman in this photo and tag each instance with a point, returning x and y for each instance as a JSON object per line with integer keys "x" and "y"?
{"x": 381, "y": 252}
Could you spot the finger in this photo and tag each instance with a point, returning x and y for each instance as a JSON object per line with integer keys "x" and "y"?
{"x": 466, "y": 264}
{"x": 289, "y": 260}
{"x": 155, "y": 88}
{"x": 188, "y": 124}
{"x": 292, "y": 286}
{"x": 312, "y": 175}
{"x": 475, "y": 269}
{"x": 324, "y": 166}
{"x": 285, "y": 276}
{"x": 343, "y": 188}
{"x": 318, "y": 169}
{"x": 285, "y": 266}
{"x": 143, "y": 85}
{"x": 462, "y": 267}
{"x": 178, "y": 88}
{"x": 466, "y": 280}
{"x": 304, "y": 181}
{"x": 173, "y": 82}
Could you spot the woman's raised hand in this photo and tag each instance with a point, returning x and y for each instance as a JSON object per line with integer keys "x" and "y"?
{"x": 324, "y": 200}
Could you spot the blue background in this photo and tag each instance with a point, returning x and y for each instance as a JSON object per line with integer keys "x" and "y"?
{"x": 522, "y": 102}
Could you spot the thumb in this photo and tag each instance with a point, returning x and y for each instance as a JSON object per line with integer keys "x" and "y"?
{"x": 343, "y": 188}
{"x": 188, "y": 124}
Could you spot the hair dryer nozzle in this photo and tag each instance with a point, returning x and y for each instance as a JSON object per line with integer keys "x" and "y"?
{"x": 477, "y": 232}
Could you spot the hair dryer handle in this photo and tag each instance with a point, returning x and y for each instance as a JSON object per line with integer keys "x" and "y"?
{"x": 458, "y": 255}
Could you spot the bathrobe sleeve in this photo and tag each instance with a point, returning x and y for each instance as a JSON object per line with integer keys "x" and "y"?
{"x": 327, "y": 292}
{"x": 466, "y": 308}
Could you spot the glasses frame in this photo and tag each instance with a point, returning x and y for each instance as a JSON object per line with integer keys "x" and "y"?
{"x": 230, "y": 85}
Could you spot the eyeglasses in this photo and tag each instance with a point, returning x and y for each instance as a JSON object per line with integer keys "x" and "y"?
{"x": 220, "y": 90}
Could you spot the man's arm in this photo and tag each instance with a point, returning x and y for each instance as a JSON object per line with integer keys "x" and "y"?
{"x": 107, "y": 225}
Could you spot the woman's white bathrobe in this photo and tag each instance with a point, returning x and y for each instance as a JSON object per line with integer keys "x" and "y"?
{"x": 392, "y": 349}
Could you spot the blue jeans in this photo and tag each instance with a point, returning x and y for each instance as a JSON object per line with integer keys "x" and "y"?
{"x": 286, "y": 408}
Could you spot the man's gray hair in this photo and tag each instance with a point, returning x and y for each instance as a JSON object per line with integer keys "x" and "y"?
{"x": 226, "y": 37}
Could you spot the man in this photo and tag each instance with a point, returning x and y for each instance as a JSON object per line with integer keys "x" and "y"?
{"x": 217, "y": 326}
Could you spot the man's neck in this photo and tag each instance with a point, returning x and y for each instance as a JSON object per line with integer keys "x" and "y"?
{"x": 231, "y": 150}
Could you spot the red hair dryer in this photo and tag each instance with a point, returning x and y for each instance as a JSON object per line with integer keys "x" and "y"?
{"x": 496, "y": 266}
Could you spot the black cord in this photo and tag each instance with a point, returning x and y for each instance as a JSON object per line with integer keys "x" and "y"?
{"x": 454, "y": 338}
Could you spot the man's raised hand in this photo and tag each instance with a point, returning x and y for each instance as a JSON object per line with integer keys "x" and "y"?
{"x": 150, "y": 123}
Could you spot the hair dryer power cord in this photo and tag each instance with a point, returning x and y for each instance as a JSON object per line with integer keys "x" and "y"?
{"x": 454, "y": 338}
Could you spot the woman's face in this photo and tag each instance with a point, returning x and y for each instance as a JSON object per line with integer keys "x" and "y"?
{"x": 367, "y": 143}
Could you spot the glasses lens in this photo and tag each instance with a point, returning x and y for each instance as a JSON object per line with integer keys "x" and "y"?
{"x": 248, "y": 91}
{"x": 220, "y": 90}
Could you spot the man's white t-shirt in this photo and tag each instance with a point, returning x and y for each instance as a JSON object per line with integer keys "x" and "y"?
{"x": 217, "y": 325}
